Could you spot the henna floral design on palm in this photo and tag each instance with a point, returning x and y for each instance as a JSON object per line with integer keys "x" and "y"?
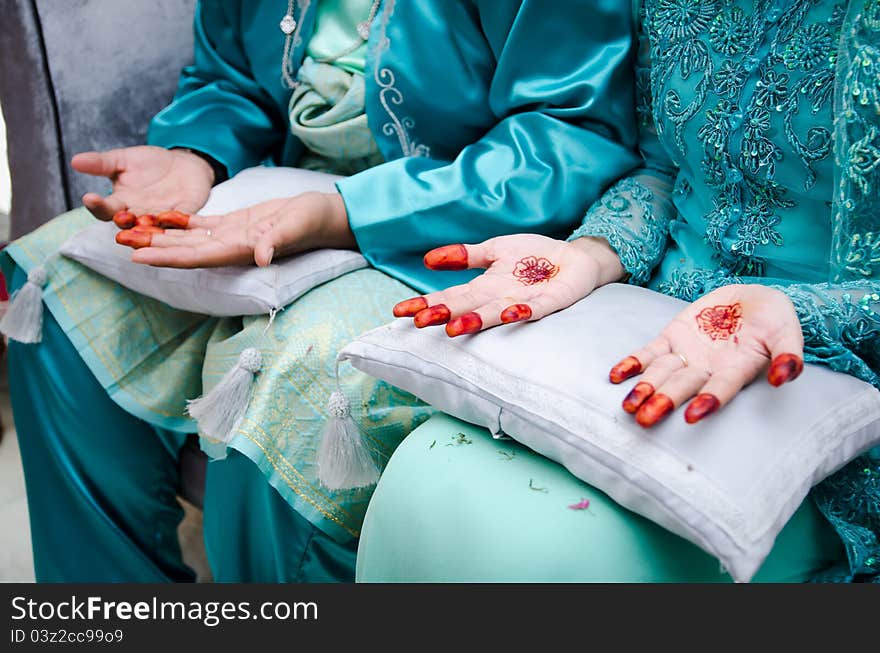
{"x": 533, "y": 269}
{"x": 720, "y": 322}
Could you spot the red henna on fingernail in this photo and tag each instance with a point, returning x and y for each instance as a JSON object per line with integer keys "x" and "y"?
{"x": 637, "y": 396}
{"x": 628, "y": 367}
{"x": 409, "y": 307}
{"x": 703, "y": 405}
{"x": 448, "y": 257}
{"x": 146, "y": 220}
{"x": 516, "y": 313}
{"x": 784, "y": 368}
{"x": 432, "y": 315}
{"x": 654, "y": 410}
{"x": 135, "y": 238}
{"x": 125, "y": 219}
{"x": 172, "y": 220}
{"x": 465, "y": 324}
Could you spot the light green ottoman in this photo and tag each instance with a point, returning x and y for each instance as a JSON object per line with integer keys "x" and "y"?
{"x": 455, "y": 505}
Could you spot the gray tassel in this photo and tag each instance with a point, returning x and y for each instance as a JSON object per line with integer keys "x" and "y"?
{"x": 220, "y": 411}
{"x": 344, "y": 462}
{"x": 23, "y": 321}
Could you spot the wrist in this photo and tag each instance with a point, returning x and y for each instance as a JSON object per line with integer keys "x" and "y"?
{"x": 215, "y": 171}
{"x": 611, "y": 270}
{"x": 336, "y": 229}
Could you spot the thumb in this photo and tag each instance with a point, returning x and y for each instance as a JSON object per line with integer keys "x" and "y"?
{"x": 458, "y": 257}
{"x": 99, "y": 164}
{"x": 264, "y": 250}
{"x": 786, "y": 353}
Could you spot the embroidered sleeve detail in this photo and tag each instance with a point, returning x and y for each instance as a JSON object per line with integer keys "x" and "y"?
{"x": 841, "y": 326}
{"x": 634, "y": 219}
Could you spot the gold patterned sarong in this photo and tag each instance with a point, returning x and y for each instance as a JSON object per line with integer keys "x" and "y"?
{"x": 151, "y": 358}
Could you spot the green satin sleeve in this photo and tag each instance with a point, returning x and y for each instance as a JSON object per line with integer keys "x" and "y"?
{"x": 219, "y": 107}
{"x": 562, "y": 98}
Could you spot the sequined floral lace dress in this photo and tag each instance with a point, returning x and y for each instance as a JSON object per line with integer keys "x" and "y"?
{"x": 761, "y": 138}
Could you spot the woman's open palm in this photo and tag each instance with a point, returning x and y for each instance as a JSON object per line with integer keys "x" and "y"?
{"x": 527, "y": 277}
{"x": 146, "y": 179}
{"x": 713, "y": 348}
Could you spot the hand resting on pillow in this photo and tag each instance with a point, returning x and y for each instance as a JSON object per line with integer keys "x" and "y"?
{"x": 278, "y": 227}
{"x": 707, "y": 354}
{"x": 153, "y": 181}
{"x": 146, "y": 179}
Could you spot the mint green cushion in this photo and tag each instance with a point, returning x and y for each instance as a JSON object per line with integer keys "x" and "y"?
{"x": 455, "y": 505}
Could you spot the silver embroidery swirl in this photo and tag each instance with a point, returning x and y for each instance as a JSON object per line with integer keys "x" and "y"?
{"x": 390, "y": 95}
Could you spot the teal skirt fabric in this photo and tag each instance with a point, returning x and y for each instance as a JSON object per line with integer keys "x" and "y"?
{"x": 456, "y": 505}
{"x": 150, "y": 359}
{"x": 101, "y": 488}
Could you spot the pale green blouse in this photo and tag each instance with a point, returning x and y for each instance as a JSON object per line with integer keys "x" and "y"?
{"x": 336, "y": 24}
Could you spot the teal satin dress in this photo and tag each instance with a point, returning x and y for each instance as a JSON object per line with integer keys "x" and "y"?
{"x": 493, "y": 116}
{"x": 737, "y": 134}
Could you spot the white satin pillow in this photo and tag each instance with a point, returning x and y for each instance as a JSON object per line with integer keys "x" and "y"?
{"x": 228, "y": 291}
{"x": 728, "y": 484}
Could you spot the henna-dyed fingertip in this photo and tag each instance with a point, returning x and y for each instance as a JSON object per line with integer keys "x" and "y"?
{"x": 467, "y": 323}
{"x": 125, "y": 219}
{"x": 654, "y": 410}
{"x": 409, "y": 307}
{"x": 172, "y": 220}
{"x": 432, "y": 315}
{"x": 785, "y": 368}
{"x": 134, "y": 238}
{"x": 703, "y": 405}
{"x": 448, "y": 257}
{"x": 516, "y": 313}
{"x": 637, "y": 396}
{"x": 625, "y": 369}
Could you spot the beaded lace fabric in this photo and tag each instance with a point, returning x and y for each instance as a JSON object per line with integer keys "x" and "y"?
{"x": 761, "y": 125}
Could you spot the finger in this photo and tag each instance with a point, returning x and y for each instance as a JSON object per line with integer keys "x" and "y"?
{"x": 458, "y": 257}
{"x": 207, "y": 254}
{"x": 722, "y": 386}
{"x": 787, "y": 354}
{"x": 181, "y": 238}
{"x": 640, "y": 393}
{"x": 636, "y": 363}
{"x": 516, "y": 313}
{"x": 784, "y": 368}
{"x": 172, "y": 220}
{"x": 483, "y": 317}
{"x": 433, "y": 308}
{"x": 409, "y": 307}
{"x": 645, "y": 393}
{"x": 124, "y": 219}
{"x": 521, "y": 306}
{"x": 138, "y": 237}
{"x": 671, "y": 394}
{"x": 432, "y": 316}
{"x": 268, "y": 241}
{"x": 536, "y": 302}
{"x": 209, "y": 221}
{"x": 460, "y": 300}
{"x": 103, "y": 208}
{"x": 99, "y": 164}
